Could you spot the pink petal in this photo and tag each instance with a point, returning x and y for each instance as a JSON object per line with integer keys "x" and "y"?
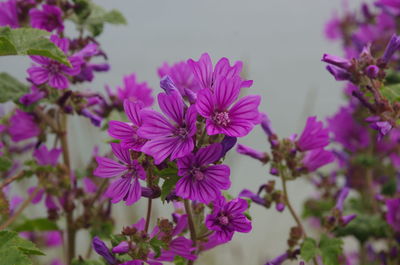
{"x": 246, "y": 109}
{"x": 154, "y": 125}
{"x": 202, "y": 70}
{"x": 209, "y": 154}
{"x": 218, "y": 175}
{"x": 132, "y": 110}
{"x": 134, "y": 192}
{"x": 120, "y": 130}
{"x": 160, "y": 149}
{"x": 58, "y": 81}
{"x": 226, "y": 92}
{"x": 205, "y": 103}
{"x": 108, "y": 168}
{"x": 39, "y": 75}
{"x": 172, "y": 106}
{"x": 121, "y": 153}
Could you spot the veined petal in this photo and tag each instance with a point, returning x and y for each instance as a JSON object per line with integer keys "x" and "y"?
{"x": 185, "y": 164}
{"x": 209, "y": 154}
{"x": 172, "y": 105}
{"x": 58, "y": 81}
{"x": 226, "y": 92}
{"x": 134, "y": 192}
{"x": 118, "y": 190}
{"x": 241, "y": 224}
{"x": 120, "y": 130}
{"x": 39, "y": 75}
{"x": 223, "y": 68}
{"x": 218, "y": 175}
{"x": 108, "y": 168}
{"x": 121, "y": 153}
{"x": 160, "y": 149}
{"x": 154, "y": 125}
{"x": 246, "y": 109}
{"x": 205, "y": 103}
{"x": 182, "y": 147}
{"x": 132, "y": 110}
{"x": 236, "y": 206}
{"x": 202, "y": 70}
{"x": 190, "y": 120}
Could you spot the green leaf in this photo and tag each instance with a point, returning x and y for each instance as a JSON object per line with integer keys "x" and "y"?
{"x": 317, "y": 208}
{"x": 5, "y": 163}
{"x": 102, "y": 229}
{"x": 93, "y": 17}
{"x": 29, "y": 41}
{"x": 391, "y": 92}
{"x": 308, "y": 249}
{"x": 157, "y": 245}
{"x": 331, "y": 249}
{"x": 178, "y": 260}
{"x": 15, "y": 250}
{"x": 167, "y": 186}
{"x": 364, "y": 227}
{"x": 39, "y": 224}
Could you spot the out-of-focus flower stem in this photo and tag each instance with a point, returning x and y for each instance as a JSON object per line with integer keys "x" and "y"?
{"x": 11, "y": 179}
{"x": 192, "y": 228}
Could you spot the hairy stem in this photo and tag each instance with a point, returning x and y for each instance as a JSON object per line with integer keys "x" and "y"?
{"x": 20, "y": 210}
{"x": 11, "y": 179}
{"x": 192, "y": 228}
{"x": 148, "y": 215}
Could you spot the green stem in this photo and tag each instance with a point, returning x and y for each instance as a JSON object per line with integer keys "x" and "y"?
{"x": 192, "y": 228}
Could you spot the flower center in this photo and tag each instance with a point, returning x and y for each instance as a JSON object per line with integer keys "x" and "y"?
{"x": 53, "y": 67}
{"x": 221, "y": 118}
{"x": 182, "y": 132}
{"x": 223, "y": 220}
{"x": 197, "y": 174}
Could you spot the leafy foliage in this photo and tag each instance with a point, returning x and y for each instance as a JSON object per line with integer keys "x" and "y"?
{"x": 29, "y": 41}
{"x": 16, "y": 250}
{"x": 5, "y": 163}
{"x": 364, "y": 227}
{"x": 38, "y": 224}
{"x": 328, "y": 248}
{"x": 391, "y": 92}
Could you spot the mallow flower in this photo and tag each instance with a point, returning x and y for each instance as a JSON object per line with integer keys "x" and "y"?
{"x": 227, "y": 218}
{"x": 49, "y": 18}
{"x": 126, "y": 187}
{"x": 170, "y": 136}
{"x": 202, "y": 181}
{"x": 313, "y": 136}
{"x": 223, "y": 118}
{"x": 22, "y": 126}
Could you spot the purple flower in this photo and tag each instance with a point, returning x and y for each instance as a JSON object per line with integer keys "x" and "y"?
{"x": 347, "y": 131}
{"x": 372, "y": 71}
{"x": 317, "y": 158}
{"x": 278, "y": 260}
{"x": 53, "y": 72}
{"x": 100, "y": 247}
{"x": 9, "y": 14}
{"x": 313, "y": 136}
{"x": 30, "y": 98}
{"x": 122, "y": 247}
{"x": 53, "y": 238}
{"x": 135, "y": 92}
{"x": 201, "y": 181}
{"x": 338, "y": 73}
{"x": 391, "y": 48}
{"x": 383, "y": 127}
{"x": 22, "y": 126}
{"x": 227, "y": 144}
{"x": 266, "y": 125}
{"x": 206, "y": 76}
{"x": 44, "y": 157}
{"x": 393, "y": 213}
{"x": 182, "y": 76}
{"x": 228, "y": 217}
{"x": 332, "y": 28}
{"x": 237, "y": 121}
{"x": 336, "y": 61}
{"x": 168, "y": 137}
{"x": 94, "y": 118}
{"x": 345, "y": 220}
{"x": 248, "y": 151}
{"x": 342, "y": 196}
{"x": 50, "y": 18}
{"x": 253, "y": 196}
{"x": 127, "y": 186}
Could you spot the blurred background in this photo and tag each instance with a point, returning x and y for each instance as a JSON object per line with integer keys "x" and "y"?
{"x": 280, "y": 42}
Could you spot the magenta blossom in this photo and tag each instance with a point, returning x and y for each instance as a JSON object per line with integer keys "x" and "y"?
{"x": 30, "y": 98}
{"x": 182, "y": 76}
{"x": 53, "y": 72}
{"x": 227, "y": 218}
{"x": 50, "y": 18}
{"x": 201, "y": 181}
{"x": 207, "y": 76}
{"x": 221, "y": 118}
{"x": 317, "y": 158}
{"x": 45, "y": 157}
{"x": 127, "y": 132}
{"x": 313, "y": 136}
{"x": 22, "y": 126}
{"x": 127, "y": 186}
{"x": 135, "y": 92}
{"x": 393, "y": 213}
{"x": 9, "y": 14}
{"x": 172, "y": 136}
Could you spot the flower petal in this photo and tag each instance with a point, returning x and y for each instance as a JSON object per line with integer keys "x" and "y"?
{"x": 209, "y": 154}
{"x": 108, "y": 168}
{"x": 39, "y": 75}
{"x": 58, "y": 81}
{"x": 218, "y": 175}
{"x": 121, "y": 153}
{"x": 172, "y": 106}
{"x": 134, "y": 192}
{"x": 205, "y": 103}
{"x": 132, "y": 110}
{"x": 154, "y": 125}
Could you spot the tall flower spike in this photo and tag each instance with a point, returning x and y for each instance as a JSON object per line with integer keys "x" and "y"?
{"x": 127, "y": 186}
{"x": 313, "y": 136}
{"x": 127, "y": 132}
{"x": 221, "y": 118}
{"x": 172, "y": 136}
{"x": 227, "y": 218}
{"x": 207, "y": 76}
{"x": 201, "y": 181}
